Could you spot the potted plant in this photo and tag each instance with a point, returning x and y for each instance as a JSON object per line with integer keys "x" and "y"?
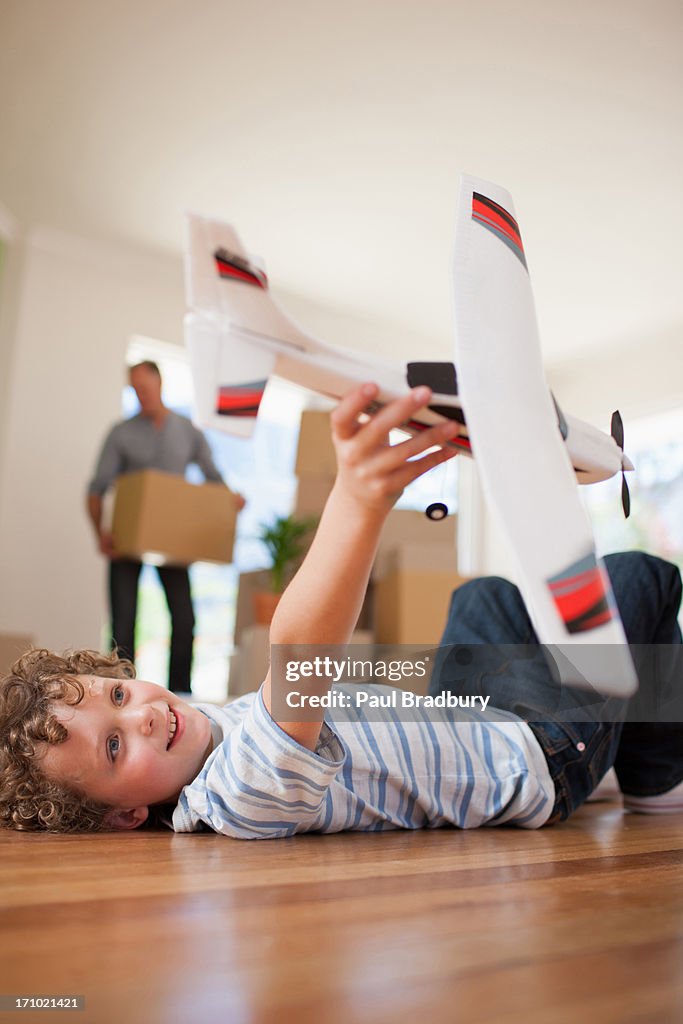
{"x": 286, "y": 541}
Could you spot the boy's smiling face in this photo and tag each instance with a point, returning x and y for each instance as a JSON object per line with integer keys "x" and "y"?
{"x": 130, "y": 744}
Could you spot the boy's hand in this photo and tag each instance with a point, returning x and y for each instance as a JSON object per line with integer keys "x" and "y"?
{"x": 370, "y": 470}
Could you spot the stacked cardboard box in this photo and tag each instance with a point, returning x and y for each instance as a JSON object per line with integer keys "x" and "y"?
{"x": 414, "y": 576}
{"x": 412, "y": 579}
{"x": 315, "y": 453}
{"x": 316, "y": 468}
{"x": 161, "y": 515}
{"x": 249, "y": 663}
{"x": 316, "y": 464}
{"x": 404, "y": 526}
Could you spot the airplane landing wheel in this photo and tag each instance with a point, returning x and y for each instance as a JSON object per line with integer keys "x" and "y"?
{"x": 437, "y": 510}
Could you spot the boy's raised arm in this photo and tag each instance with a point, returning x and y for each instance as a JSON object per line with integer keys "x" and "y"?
{"x": 322, "y": 603}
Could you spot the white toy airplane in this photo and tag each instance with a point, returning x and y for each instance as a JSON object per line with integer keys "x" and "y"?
{"x": 526, "y": 448}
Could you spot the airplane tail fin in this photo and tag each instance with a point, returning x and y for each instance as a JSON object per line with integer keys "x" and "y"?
{"x": 234, "y": 329}
{"x": 224, "y": 282}
{"x": 229, "y": 375}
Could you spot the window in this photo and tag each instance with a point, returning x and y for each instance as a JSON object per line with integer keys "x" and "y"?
{"x": 655, "y": 446}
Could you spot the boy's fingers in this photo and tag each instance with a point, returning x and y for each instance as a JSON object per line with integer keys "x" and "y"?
{"x": 391, "y": 458}
{"x": 439, "y": 434}
{"x": 395, "y": 414}
{"x": 412, "y": 470}
{"x": 345, "y": 417}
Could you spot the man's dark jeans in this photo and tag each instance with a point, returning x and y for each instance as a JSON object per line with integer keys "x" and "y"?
{"x": 124, "y": 574}
{"x": 647, "y": 756}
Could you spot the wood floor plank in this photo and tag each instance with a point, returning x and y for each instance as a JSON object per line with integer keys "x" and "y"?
{"x": 579, "y": 922}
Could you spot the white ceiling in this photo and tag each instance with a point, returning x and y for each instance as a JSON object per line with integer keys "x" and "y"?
{"x": 332, "y": 136}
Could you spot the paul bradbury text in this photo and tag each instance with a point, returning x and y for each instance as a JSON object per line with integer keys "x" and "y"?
{"x": 347, "y": 699}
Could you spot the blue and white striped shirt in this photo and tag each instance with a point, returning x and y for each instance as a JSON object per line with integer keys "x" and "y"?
{"x": 259, "y": 783}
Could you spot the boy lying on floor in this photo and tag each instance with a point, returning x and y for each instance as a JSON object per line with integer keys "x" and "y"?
{"x": 84, "y": 746}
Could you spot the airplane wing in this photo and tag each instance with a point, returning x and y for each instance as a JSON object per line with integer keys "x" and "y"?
{"x": 525, "y": 467}
{"x": 238, "y": 336}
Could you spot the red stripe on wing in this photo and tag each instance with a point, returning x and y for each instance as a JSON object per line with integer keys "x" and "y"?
{"x": 578, "y": 602}
{"x": 491, "y": 215}
{"x": 238, "y": 401}
{"x": 227, "y": 270}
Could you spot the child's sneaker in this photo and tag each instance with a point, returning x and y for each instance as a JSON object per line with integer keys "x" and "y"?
{"x": 670, "y": 802}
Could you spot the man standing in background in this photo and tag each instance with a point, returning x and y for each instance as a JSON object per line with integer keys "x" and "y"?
{"x": 156, "y": 438}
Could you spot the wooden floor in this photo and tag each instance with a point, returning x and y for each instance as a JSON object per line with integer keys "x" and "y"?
{"x": 580, "y": 922}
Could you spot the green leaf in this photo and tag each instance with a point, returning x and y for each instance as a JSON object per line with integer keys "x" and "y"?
{"x": 286, "y": 541}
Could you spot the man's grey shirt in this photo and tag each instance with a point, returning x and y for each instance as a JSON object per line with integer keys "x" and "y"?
{"x": 137, "y": 444}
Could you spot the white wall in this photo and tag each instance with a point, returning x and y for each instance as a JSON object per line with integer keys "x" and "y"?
{"x": 78, "y": 303}
{"x": 640, "y": 376}
{"x": 11, "y": 267}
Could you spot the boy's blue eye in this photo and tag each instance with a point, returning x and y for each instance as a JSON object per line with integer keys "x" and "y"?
{"x": 118, "y": 693}
{"x": 113, "y": 745}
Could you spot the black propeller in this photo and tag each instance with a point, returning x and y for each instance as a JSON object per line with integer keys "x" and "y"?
{"x": 617, "y": 432}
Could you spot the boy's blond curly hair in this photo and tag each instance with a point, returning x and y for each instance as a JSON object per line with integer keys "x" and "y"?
{"x": 30, "y": 801}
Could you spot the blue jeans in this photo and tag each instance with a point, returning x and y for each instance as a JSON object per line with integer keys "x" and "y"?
{"x": 487, "y": 613}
